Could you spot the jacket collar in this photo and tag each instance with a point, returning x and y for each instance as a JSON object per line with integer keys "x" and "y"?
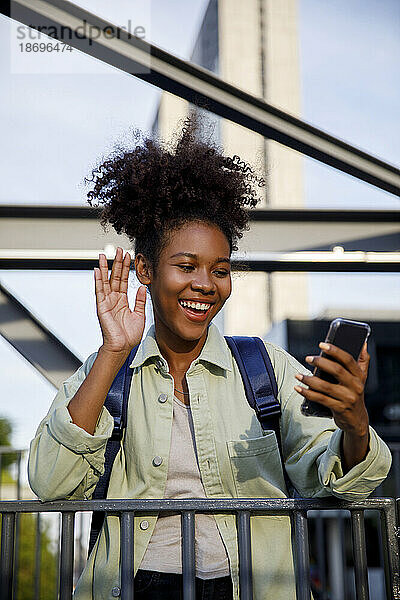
{"x": 215, "y": 350}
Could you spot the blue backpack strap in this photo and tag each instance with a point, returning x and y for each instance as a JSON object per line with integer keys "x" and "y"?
{"x": 260, "y": 386}
{"x": 116, "y": 403}
{"x": 258, "y": 377}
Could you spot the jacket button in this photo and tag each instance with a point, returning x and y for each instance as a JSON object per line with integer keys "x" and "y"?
{"x": 162, "y": 398}
{"x": 157, "y": 461}
{"x": 116, "y": 592}
{"x": 144, "y": 525}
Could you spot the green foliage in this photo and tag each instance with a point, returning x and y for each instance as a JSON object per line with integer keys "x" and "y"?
{"x": 27, "y": 566}
{"x": 27, "y": 539}
{"x": 5, "y": 434}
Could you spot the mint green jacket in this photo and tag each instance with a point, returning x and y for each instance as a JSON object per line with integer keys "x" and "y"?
{"x": 236, "y": 459}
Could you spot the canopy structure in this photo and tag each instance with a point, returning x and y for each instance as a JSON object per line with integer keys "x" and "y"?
{"x": 34, "y": 341}
{"x": 33, "y": 237}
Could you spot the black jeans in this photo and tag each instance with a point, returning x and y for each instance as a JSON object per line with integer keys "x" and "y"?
{"x": 152, "y": 585}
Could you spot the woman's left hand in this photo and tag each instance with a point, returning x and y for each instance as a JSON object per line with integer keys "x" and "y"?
{"x": 345, "y": 398}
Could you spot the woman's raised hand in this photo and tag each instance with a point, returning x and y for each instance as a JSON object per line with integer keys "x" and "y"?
{"x": 121, "y": 327}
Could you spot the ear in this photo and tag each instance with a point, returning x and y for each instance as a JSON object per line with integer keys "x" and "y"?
{"x": 142, "y": 268}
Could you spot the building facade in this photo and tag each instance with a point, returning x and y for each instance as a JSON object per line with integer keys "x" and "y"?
{"x": 254, "y": 46}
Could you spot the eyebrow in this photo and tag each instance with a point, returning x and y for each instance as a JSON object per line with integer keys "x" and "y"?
{"x": 194, "y": 256}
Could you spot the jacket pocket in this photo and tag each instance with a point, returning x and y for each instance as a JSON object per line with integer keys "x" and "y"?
{"x": 256, "y": 467}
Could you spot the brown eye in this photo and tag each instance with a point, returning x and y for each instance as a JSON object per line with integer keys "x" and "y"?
{"x": 221, "y": 273}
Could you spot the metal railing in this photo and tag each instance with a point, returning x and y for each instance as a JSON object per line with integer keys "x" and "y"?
{"x": 18, "y": 453}
{"x": 126, "y": 510}
{"x": 332, "y": 563}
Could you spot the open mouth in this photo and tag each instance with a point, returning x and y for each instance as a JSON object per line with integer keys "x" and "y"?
{"x": 195, "y": 311}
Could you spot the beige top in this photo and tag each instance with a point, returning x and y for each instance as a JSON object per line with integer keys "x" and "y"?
{"x": 183, "y": 481}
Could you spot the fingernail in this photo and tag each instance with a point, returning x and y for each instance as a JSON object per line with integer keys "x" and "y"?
{"x": 299, "y": 376}
{"x": 324, "y": 346}
{"x": 297, "y": 388}
{"x": 309, "y": 359}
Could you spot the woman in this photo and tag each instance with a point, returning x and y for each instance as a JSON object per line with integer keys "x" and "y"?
{"x": 190, "y": 430}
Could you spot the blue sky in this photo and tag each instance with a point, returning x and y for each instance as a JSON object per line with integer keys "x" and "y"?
{"x": 57, "y": 124}
{"x": 350, "y": 81}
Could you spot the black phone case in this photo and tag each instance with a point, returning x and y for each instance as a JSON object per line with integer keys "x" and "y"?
{"x": 348, "y": 335}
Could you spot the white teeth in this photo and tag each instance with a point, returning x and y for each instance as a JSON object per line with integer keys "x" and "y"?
{"x": 197, "y": 305}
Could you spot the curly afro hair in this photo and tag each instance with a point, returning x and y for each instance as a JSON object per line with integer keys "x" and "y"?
{"x": 154, "y": 189}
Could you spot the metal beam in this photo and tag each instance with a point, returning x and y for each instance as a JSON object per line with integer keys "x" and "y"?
{"x": 307, "y": 215}
{"x": 324, "y": 261}
{"x": 54, "y": 228}
{"x": 159, "y": 68}
{"x": 34, "y": 341}
{"x": 303, "y": 215}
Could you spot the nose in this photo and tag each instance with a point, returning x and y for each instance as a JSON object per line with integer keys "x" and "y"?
{"x": 203, "y": 282}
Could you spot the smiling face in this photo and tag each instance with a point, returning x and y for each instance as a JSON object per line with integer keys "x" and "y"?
{"x": 191, "y": 284}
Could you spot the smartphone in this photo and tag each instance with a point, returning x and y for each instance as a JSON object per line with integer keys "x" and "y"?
{"x": 349, "y": 336}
